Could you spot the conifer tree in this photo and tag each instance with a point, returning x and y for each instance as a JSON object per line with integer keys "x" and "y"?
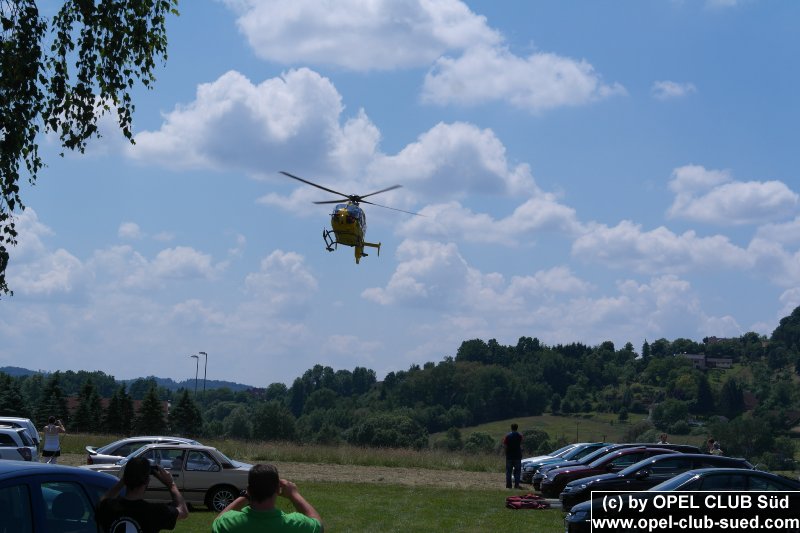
{"x": 112, "y": 423}
{"x": 11, "y": 402}
{"x": 184, "y": 417}
{"x": 150, "y": 420}
{"x": 51, "y": 402}
{"x": 88, "y": 416}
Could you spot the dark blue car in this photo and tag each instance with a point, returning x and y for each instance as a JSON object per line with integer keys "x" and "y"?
{"x": 43, "y": 497}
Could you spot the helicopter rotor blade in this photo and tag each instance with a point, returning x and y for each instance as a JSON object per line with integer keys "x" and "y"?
{"x": 329, "y": 202}
{"x": 393, "y": 187}
{"x": 314, "y": 184}
{"x": 392, "y": 208}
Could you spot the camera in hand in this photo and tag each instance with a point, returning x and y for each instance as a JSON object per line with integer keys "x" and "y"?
{"x": 154, "y": 469}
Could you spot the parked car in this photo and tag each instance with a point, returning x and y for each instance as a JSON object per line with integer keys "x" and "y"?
{"x": 646, "y": 474}
{"x": 555, "y": 453}
{"x": 706, "y": 479}
{"x": 542, "y": 471}
{"x": 204, "y": 475}
{"x": 556, "y": 479}
{"x": 575, "y": 453}
{"x": 19, "y": 422}
{"x": 45, "y": 497}
{"x": 16, "y": 445}
{"x": 111, "y": 453}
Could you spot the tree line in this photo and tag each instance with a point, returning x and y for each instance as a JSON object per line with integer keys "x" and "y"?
{"x": 751, "y": 406}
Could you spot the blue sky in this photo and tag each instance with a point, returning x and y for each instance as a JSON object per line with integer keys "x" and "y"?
{"x": 588, "y": 171}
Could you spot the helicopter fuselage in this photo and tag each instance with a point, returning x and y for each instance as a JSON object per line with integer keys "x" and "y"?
{"x": 349, "y": 224}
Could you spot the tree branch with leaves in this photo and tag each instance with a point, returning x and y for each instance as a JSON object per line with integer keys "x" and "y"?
{"x": 60, "y": 75}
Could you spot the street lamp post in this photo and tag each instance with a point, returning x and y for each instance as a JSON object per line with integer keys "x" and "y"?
{"x": 205, "y": 369}
{"x": 196, "y": 368}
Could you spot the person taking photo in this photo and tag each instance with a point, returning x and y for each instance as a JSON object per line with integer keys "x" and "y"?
{"x": 130, "y": 512}
{"x": 256, "y": 510}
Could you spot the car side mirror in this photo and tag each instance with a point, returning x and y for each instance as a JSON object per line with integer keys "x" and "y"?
{"x": 643, "y": 473}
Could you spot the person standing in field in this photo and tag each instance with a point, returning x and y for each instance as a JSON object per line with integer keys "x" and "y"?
{"x": 512, "y": 443}
{"x": 255, "y": 509}
{"x": 51, "y": 434}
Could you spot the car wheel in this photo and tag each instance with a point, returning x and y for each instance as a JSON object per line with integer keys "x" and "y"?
{"x": 218, "y": 498}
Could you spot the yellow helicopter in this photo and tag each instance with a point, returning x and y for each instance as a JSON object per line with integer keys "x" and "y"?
{"x": 348, "y": 220}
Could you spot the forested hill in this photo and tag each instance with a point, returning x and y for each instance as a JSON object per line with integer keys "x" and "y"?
{"x": 750, "y": 382}
{"x": 72, "y": 381}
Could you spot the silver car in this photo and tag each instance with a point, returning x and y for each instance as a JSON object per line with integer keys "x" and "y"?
{"x": 204, "y": 475}
{"x": 15, "y": 444}
{"x": 111, "y": 453}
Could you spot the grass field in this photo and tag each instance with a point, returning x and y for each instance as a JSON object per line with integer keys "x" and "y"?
{"x": 351, "y": 507}
{"x": 387, "y": 504}
{"x": 589, "y": 427}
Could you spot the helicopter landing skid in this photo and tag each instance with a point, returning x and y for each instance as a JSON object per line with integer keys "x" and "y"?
{"x": 330, "y": 244}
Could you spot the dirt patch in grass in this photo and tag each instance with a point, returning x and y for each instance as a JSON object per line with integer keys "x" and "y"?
{"x": 299, "y": 472}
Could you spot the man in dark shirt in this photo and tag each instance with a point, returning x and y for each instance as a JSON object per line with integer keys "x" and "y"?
{"x": 512, "y": 443}
{"x": 122, "y": 514}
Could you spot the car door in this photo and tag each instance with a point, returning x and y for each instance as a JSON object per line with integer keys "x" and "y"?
{"x": 68, "y": 508}
{"x": 15, "y": 506}
{"x": 200, "y": 471}
{"x": 169, "y": 459}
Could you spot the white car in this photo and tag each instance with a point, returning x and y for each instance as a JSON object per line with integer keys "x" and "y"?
{"x": 204, "y": 475}
{"x": 16, "y": 445}
{"x": 24, "y": 423}
{"x": 111, "y": 453}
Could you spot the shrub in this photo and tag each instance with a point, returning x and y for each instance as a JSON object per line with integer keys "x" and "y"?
{"x": 681, "y": 427}
{"x": 479, "y": 442}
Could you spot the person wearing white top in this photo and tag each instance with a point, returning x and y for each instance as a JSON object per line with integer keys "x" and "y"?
{"x": 52, "y": 441}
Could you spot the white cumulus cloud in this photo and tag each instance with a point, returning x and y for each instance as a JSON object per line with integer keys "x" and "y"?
{"x": 660, "y": 250}
{"x": 712, "y": 196}
{"x": 359, "y": 35}
{"x": 233, "y": 123}
{"x": 537, "y": 83}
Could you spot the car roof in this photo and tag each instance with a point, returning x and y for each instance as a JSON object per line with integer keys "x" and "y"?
{"x": 180, "y": 445}
{"x": 665, "y": 456}
{"x": 725, "y": 470}
{"x": 11, "y": 428}
{"x": 12, "y": 469}
{"x": 150, "y": 437}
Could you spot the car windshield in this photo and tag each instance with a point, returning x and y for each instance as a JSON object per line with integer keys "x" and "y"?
{"x": 563, "y": 449}
{"x": 574, "y": 455}
{"x": 131, "y": 455}
{"x": 103, "y": 450}
{"x": 600, "y": 461}
{"x": 635, "y": 467}
{"x": 570, "y": 454}
{"x": 226, "y": 458}
{"x": 674, "y": 483}
{"x": 595, "y": 454}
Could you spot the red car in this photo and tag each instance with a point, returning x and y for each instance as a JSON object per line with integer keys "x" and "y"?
{"x": 556, "y": 479}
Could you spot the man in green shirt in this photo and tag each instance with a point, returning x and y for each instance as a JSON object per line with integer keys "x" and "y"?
{"x": 255, "y": 510}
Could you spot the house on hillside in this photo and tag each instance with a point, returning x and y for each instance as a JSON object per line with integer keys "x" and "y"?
{"x": 703, "y": 362}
